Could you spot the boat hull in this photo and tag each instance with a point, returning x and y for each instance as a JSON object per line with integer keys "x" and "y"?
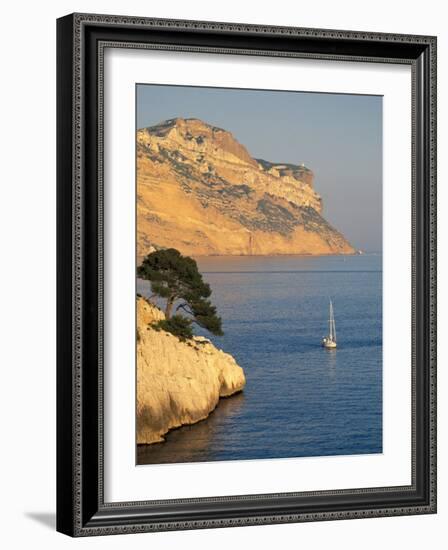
{"x": 329, "y": 344}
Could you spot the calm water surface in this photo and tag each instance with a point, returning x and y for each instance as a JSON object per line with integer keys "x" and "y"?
{"x": 300, "y": 399}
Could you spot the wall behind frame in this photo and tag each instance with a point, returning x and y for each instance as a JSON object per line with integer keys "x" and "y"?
{"x": 27, "y": 292}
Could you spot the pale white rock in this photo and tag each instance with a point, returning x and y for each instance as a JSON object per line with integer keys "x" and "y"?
{"x": 177, "y": 382}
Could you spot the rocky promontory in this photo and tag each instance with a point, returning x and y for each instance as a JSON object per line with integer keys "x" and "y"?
{"x": 178, "y": 382}
{"x": 200, "y": 191}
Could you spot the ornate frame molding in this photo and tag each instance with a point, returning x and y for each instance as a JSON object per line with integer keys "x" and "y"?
{"x": 81, "y": 42}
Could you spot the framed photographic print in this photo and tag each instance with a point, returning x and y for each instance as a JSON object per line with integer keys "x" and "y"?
{"x": 246, "y": 274}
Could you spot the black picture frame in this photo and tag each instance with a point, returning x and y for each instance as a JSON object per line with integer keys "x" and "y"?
{"x": 81, "y": 510}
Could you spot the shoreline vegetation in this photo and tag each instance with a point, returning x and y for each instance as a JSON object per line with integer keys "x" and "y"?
{"x": 180, "y": 376}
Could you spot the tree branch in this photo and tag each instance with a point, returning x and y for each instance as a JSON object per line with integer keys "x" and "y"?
{"x": 184, "y": 307}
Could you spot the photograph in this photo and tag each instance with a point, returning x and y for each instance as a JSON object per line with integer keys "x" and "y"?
{"x": 246, "y": 273}
{"x": 258, "y": 274}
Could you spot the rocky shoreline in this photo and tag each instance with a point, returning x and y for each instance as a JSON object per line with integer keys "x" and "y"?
{"x": 178, "y": 383}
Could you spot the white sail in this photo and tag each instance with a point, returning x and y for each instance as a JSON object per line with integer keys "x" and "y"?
{"x": 331, "y": 323}
{"x": 330, "y": 340}
{"x": 334, "y": 324}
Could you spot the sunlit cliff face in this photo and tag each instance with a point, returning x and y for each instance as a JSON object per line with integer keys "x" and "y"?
{"x": 200, "y": 191}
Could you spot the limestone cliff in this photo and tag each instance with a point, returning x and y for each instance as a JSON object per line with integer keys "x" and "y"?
{"x": 177, "y": 382}
{"x": 200, "y": 191}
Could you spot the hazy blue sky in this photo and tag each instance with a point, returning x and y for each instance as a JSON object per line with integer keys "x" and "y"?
{"x": 338, "y": 136}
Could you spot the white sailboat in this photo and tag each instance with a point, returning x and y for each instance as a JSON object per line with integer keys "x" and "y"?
{"x": 329, "y": 341}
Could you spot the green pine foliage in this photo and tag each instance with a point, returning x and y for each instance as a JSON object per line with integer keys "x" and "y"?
{"x": 178, "y": 325}
{"x": 176, "y": 278}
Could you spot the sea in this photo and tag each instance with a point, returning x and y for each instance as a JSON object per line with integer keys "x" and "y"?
{"x": 300, "y": 399}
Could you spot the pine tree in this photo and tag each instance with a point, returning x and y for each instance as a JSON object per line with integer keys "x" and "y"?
{"x": 176, "y": 279}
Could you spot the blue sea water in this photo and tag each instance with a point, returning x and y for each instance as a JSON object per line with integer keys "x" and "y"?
{"x": 300, "y": 399}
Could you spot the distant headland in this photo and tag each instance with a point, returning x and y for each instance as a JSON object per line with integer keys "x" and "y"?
{"x": 200, "y": 191}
